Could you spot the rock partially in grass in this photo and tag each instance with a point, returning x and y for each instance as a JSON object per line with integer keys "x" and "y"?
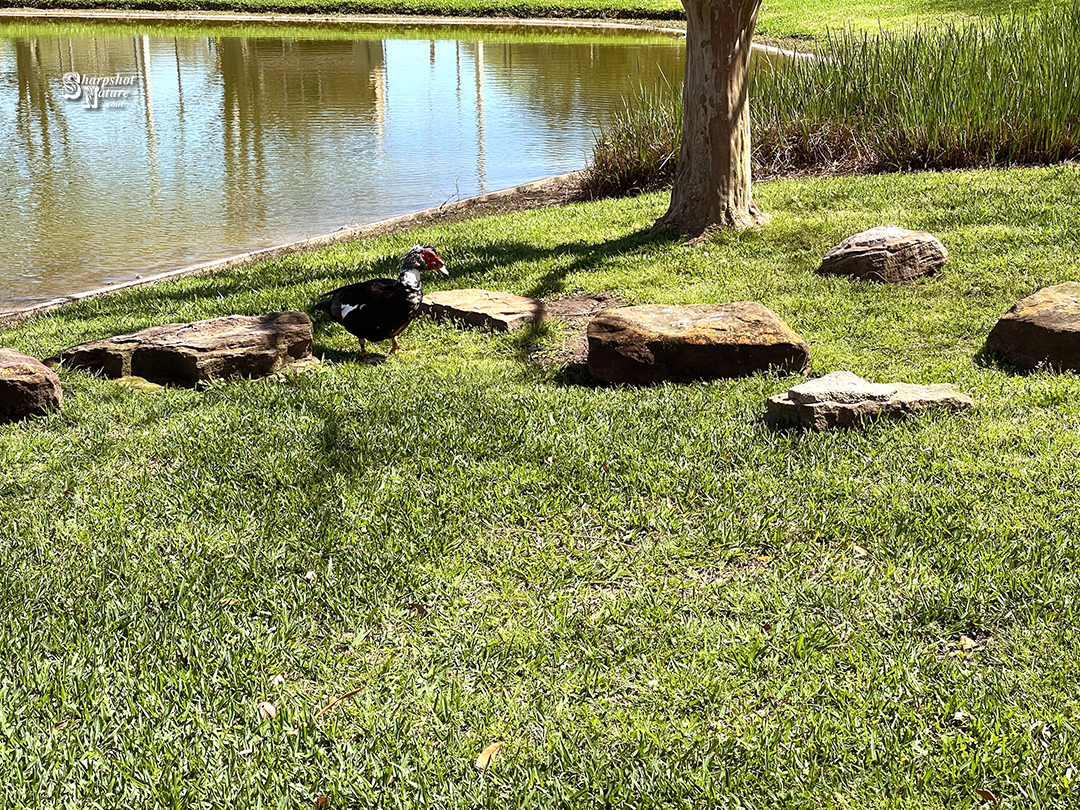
{"x": 192, "y": 353}
{"x": 1042, "y": 329}
{"x": 139, "y": 384}
{"x": 500, "y": 311}
{"x": 886, "y": 254}
{"x": 843, "y": 399}
{"x": 650, "y": 344}
{"x": 27, "y": 387}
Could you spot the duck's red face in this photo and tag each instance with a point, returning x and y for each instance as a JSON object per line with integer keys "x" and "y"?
{"x": 433, "y": 262}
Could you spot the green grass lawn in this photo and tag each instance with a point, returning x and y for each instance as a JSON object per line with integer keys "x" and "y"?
{"x": 650, "y": 597}
{"x": 788, "y": 18}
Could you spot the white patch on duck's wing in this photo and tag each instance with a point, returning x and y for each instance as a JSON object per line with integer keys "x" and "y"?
{"x": 347, "y": 308}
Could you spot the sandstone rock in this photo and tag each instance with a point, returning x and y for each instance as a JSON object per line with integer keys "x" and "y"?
{"x": 500, "y": 311}
{"x": 887, "y": 254}
{"x": 842, "y": 399}
{"x": 191, "y": 353}
{"x": 650, "y": 344}
{"x": 1042, "y": 328}
{"x": 27, "y": 387}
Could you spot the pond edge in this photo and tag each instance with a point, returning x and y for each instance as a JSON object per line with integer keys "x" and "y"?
{"x": 459, "y": 209}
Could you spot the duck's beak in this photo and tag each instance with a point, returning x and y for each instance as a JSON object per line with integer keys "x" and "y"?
{"x": 440, "y": 266}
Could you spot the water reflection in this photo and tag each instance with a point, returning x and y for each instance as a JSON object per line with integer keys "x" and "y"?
{"x": 230, "y": 141}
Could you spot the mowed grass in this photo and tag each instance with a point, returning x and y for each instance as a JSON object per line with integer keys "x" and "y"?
{"x": 647, "y": 595}
{"x": 814, "y": 18}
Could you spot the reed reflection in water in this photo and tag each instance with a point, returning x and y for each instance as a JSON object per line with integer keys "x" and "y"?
{"x": 228, "y": 143}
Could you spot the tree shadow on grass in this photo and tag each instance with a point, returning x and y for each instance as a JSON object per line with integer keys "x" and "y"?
{"x": 568, "y": 258}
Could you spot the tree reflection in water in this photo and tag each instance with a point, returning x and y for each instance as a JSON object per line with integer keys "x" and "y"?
{"x": 234, "y": 139}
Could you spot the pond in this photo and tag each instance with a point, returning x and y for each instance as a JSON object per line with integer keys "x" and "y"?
{"x": 131, "y": 149}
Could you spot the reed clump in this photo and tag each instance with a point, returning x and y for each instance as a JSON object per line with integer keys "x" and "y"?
{"x": 638, "y": 149}
{"x": 988, "y": 93}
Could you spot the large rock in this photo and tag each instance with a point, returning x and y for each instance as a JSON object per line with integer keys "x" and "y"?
{"x": 650, "y": 344}
{"x": 27, "y": 387}
{"x": 191, "y": 353}
{"x": 842, "y": 399}
{"x": 1043, "y": 328}
{"x": 887, "y": 254}
{"x": 500, "y": 311}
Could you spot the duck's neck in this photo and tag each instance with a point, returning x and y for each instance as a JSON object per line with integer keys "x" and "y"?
{"x": 410, "y": 277}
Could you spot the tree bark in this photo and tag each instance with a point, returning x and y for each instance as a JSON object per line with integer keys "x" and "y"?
{"x": 712, "y": 181}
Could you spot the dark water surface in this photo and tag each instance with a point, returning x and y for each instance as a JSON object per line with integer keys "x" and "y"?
{"x": 178, "y": 144}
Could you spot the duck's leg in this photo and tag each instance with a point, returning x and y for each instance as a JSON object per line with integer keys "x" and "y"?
{"x": 363, "y": 346}
{"x": 394, "y": 347}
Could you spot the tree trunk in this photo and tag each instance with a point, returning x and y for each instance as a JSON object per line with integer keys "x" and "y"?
{"x": 712, "y": 181}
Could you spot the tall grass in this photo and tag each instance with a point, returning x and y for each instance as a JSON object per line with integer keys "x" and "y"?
{"x": 638, "y": 149}
{"x": 997, "y": 92}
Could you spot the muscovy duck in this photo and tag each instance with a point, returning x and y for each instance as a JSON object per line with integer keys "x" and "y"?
{"x": 381, "y": 308}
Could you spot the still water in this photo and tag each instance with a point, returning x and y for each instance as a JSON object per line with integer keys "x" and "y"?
{"x": 129, "y": 150}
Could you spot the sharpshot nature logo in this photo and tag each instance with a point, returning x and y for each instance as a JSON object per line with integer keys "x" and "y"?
{"x": 97, "y": 92}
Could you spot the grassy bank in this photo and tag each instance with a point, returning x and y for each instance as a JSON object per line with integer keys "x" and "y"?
{"x": 256, "y": 27}
{"x": 795, "y": 18}
{"x": 994, "y": 92}
{"x": 648, "y": 596}
{"x": 778, "y": 20}
{"x": 668, "y": 10}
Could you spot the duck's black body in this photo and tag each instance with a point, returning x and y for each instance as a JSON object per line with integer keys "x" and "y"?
{"x": 381, "y": 308}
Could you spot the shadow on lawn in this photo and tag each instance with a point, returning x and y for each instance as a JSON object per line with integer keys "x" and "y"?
{"x": 338, "y": 356}
{"x": 568, "y": 258}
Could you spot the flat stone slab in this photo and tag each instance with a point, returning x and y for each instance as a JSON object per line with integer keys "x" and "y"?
{"x": 500, "y": 311}
{"x": 1042, "y": 329}
{"x": 27, "y": 387}
{"x": 192, "y": 353}
{"x": 843, "y": 399}
{"x": 886, "y": 254}
{"x": 650, "y": 344}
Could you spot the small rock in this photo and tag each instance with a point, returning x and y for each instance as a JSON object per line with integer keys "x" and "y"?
{"x": 887, "y": 254}
{"x": 649, "y": 344}
{"x": 191, "y": 353}
{"x": 842, "y": 399}
{"x": 500, "y": 311}
{"x": 138, "y": 384}
{"x": 1043, "y": 328}
{"x": 27, "y": 387}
